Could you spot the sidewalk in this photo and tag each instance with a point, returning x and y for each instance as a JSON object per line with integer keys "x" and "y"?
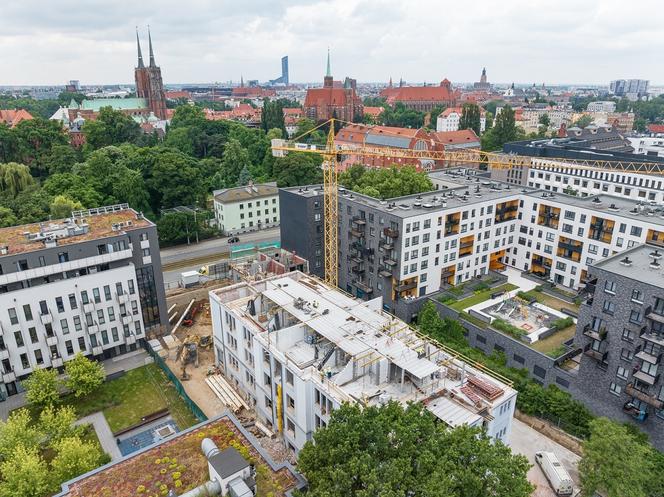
{"x": 104, "y": 434}
{"x": 125, "y": 362}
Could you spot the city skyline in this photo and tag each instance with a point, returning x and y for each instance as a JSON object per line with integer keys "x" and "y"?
{"x": 369, "y": 40}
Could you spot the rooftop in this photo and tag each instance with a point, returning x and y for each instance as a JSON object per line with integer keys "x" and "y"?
{"x": 116, "y": 103}
{"x": 181, "y": 453}
{"x": 302, "y": 319}
{"x": 641, "y": 263}
{"x": 92, "y": 224}
{"x": 248, "y": 192}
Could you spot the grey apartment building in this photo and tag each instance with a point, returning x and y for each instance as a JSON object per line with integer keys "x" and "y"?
{"x": 621, "y": 329}
{"x": 91, "y": 283}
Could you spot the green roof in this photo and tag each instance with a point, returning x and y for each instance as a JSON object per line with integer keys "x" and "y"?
{"x": 115, "y": 103}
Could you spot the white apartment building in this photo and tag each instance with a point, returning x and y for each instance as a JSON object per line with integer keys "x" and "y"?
{"x": 246, "y": 208}
{"x": 648, "y": 145}
{"x": 89, "y": 284}
{"x": 449, "y": 119}
{"x": 606, "y": 106}
{"x": 297, "y": 349}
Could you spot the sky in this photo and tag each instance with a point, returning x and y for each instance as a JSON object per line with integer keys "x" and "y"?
{"x": 204, "y": 41}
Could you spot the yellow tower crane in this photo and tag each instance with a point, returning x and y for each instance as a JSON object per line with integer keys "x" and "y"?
{"x": 332, "y": 152}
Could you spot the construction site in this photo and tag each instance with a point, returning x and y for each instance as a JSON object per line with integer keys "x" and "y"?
{"x": 187, "y": 350}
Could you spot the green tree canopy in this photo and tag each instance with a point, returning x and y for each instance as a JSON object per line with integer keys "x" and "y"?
{"x": 272, "y": 115}
{"x": 399, "y": 452}
{"x": 401, "y": 116}
{"x": 25, "y": 474}
{"x": 471, "y": 118}
{"x": 42, "y": 387}
{"x": 83, "y": 375}
{"x": 545, "y": 120}
{"x": 62, "y": 207}
{"x": 58, "y": 423}
{"x": 504, "y": 130}
{"x": 387, "y": 182}
{"x": 617, "y": 463}
{"x": 36, "y": 138}
{"x": 73, "y": 458}
{"x": 18, "y": 431}
{"x": 111, "y": 127}
{"x": 14, "y": 178}
{"x": 297, "y": 169}
{"x": 584, "y": 121}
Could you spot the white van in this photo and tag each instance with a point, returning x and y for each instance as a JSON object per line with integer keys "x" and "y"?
{"x": 557, "y": 475}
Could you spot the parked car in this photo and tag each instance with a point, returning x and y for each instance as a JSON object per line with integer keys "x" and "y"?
{"x": 233, "y": 239}
{"x": 558, "y": 477}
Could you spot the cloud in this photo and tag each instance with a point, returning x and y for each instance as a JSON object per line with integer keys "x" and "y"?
{"x": 593, "y": 41}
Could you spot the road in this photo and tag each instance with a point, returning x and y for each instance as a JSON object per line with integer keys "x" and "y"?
{"x": 175, "y": 260}
{"x": 525, "y": 440}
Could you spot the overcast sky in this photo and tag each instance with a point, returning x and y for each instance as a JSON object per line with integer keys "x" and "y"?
{"x": 199, "y": 41}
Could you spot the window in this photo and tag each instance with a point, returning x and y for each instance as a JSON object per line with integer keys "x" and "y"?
{"x": 289, "y": 377}
{"x": 114, "y": 334}
{"x": 69, "y": 347}
{"x": 27, "y": 312}
{"x": 43, "y": 307}
{"x": 622, "y": 373}
{"x": 84, "y": 297}
{"x": 64, "y": 326}
{"x": 100, "y": 316}
{"x": 33, "y": 335}
{"x": 13, "y": 318}
{"x": 111, "y": 314}
{"x": 627, "y": 335}
{"x": 635, "y": 231}
{"x": 615, "y": 389}
{"x": 107, "y": 293}
{"x": 635, "y": 317}
{"x": 77, "y": 323}
{"x": 608, "y": 307}
{"x": 610, "y": 287}
{"x": 130, "y": 285}
{"x": 96, "y": 296}
{"x": 626, "y": 355}
{"x": 19, "y": 339}
{"x": 637, "y": 296}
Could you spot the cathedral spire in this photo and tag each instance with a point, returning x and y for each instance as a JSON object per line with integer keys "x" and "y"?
{"x": 140, "y": 55}
{"x": 329, "y": 70}
{"x": 152, "y": 63}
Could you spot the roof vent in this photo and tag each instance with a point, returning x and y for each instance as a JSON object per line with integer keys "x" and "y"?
{"x": 4, "y": 250}
{"x": 655, "y": 254}
{"x": 597, "y": 200}
{"x": 417, "y": 204}
{"x": 634, "y": 210}
{"x": 626, "y": 261}
{"x": 613, "y": 207}
{"x": 654, "y": 264}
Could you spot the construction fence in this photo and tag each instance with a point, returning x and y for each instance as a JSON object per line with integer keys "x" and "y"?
{"x": 179, "y": 388}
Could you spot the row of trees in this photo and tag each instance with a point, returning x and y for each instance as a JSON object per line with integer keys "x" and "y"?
{"x": 385, "y": 182}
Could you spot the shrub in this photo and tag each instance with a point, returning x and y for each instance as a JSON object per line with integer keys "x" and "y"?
{"x": 481, "y": 287}
{"x": 562, "y": 323}
{"x": 507, "y": 328}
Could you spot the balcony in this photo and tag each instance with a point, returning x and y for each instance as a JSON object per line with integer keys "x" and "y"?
{"x": 358, "y": 221}
{"x": 127, "y": 319}
{"x": 644, "y": 397}
{"x": 653, "y": 316}
{"x": 4, "y": 354}
{"x": 356, "y": 233}
{"x": 51, "y": 340}
{"x": 131, "y": 339}
{"x": 46, "y": 318}
{"x": 391, "y": 233}
{"x": 405, "y": 286}
{"x": 390, "y": 262}
{"x": 364, "y": 287}
{"x": 385, "y": 272}
{"x": 9, "y": 376}
{"x": 89, "y": 307}
{"x": 652, "y": 337}
{"x": 387, "y": 245}
{"x": 357, "y": 270}
{"x": 57, "y": 362}
{"x": 123, "y": 298}
{"x": 648, "y": 357}
{"x": 598, "y": 335}
{"x": 93, "y": 328}
{"x": 646, "y": 378}
{"x": 98, "y": 350}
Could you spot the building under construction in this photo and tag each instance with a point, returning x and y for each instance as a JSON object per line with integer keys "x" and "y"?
{"x": 296, "y": 348}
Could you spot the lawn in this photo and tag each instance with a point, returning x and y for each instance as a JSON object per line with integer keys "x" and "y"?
{"x": 138, "y": 393}
{"x": 553, "y": 345}
{"x": 179, "y": 464}
{"x": 480, "y": 297}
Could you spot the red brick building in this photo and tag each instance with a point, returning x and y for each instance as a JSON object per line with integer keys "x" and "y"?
{"x": 422, "y": 98}
{"x": 149, "y": 84}
{"x": 333, "y": 100}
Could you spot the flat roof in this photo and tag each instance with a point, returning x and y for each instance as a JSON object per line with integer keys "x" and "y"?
{"x": 99, "y": 225}
{"x": 638, "y": 264}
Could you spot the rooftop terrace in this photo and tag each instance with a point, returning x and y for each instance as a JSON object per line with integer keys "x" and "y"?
{"x": 83, "y": 226}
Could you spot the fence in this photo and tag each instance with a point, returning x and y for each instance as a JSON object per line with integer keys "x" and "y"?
{"x": 177, "y": 384}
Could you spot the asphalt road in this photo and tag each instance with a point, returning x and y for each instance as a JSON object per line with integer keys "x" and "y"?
{"x": 175, "y": 260}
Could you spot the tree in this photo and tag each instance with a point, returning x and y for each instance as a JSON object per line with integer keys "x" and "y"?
{"x": 14, "y": 178}
{"x": 74, "y": 186}
{"x": 245, "y": 177}
{"x": 36, "y": 139}
{"x": 433, "y": 116}
{"x": 545, "y": 120}
{"x": 18, "y": 431}
{"x": 385, "y": 182}
{"x": 401, "y": 116}
{"x": 65, "y": 98}
{"x": 25, "y": 474}
{"x": 57, "y": 424}
{"x": 62, "y": 159}
{"x": 7, "y": 217}
{"x": 640, "y": 125}
{"x": 471, "y": 118}
{"x": 112, "y": 127}
{"x": 42, "y": 387}
{"x": 236, "y": 158}
{"x": 395, "y": 451}
{"x": 615, "y": 462}
{"x": 297, "y": 169}
{"x": 584, "y": 121}
{"x": 83, "y": 375}
{"x": 73, "y": 458}
{"x": 62, "y": 207}
{"x": 174, "y": 179}
{"x": 504, "y": 130}
{"x": 272, "y": 115}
